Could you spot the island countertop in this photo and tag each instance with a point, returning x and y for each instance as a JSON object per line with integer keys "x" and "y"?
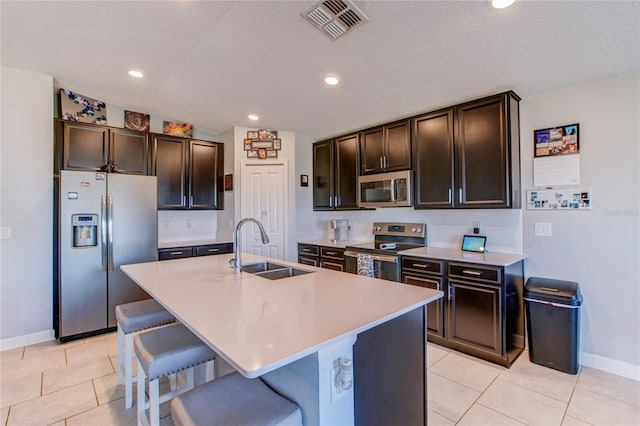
{"x": 259, "y": 325}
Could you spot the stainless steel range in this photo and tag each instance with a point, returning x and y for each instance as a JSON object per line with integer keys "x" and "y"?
{"x": 382, "y": 255}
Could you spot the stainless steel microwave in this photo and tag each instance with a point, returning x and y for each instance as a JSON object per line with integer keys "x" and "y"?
{"x": 385, "y": 189}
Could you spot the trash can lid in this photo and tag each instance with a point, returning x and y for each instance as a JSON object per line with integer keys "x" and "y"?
{"x": 551, "y": 290}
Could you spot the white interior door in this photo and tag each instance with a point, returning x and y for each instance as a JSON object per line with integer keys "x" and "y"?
{"x": 263, "y": 198}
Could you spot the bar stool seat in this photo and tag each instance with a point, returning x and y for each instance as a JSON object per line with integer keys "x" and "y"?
{"x": 132, "y": 318}
{"x": 163, "y": 352}
{"x": 234, "y": 400}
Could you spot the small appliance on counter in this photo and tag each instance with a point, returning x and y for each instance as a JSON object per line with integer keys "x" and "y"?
{"x": 338, "y": 230}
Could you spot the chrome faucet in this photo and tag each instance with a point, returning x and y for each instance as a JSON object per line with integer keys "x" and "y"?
{"x": 237, "y": 264}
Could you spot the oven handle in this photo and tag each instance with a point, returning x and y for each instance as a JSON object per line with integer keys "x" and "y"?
{"x": 379, "y": 257}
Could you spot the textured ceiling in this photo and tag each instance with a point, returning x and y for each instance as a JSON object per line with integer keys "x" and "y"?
{"x": 213, "y": 62}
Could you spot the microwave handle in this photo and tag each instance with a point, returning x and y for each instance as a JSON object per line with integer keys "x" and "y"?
{"x": 393, "y": 190}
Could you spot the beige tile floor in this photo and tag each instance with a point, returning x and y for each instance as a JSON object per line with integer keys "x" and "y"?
{"x": 75, "y": 384}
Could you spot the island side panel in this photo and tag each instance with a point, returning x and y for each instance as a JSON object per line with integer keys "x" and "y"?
{"x": 389, "y": 372}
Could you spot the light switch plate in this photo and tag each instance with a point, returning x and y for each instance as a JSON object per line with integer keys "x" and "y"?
{"x": 543, "y": 229}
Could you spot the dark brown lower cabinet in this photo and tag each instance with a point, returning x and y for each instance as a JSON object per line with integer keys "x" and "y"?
{"x": 321, "y": 256}
{"x": 389, "y": 372}
{"x": 475, "y": 316}
{"x": 481, "y": 313}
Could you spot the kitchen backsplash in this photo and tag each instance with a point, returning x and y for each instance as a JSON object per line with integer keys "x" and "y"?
{"x": 187, "y": 225}
{"x": 503, "y": 228}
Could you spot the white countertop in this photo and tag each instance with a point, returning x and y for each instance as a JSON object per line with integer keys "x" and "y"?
{"x": 258, "y": 325}
{"x": 329, "y": 243}
{"x": 490, "y": 258}
{"x": 188, "y": 243}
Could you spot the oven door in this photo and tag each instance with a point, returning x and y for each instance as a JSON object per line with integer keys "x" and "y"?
{"x": 386, "y": 266}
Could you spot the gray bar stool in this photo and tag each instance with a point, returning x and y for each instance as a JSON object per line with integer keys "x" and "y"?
{"x": 234, "y": 400}
{"x": 161, "y": 353}
{"x": 132, "y": 318}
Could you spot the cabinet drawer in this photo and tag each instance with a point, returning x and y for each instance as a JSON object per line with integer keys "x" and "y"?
{"x": 485, "y": 273}
{"x": 308, "y": 249}
{"x": 424, "y": 265}
{"x": 332, "y": 253}
{"x": 175, "y": 253}
{"x": 214, "y": 249}
{"x": 306, "y": 260}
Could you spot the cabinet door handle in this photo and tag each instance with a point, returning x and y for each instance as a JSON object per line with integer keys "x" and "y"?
{"x": 386, "y": 162}
{"x": 449, "y": 295}
{"x": 213, "y": 250}
{"x": 306, "y": 250}
{"x": 176, "y": 253}
{"x": 331, "y": 201}
{"x": 420, "y": 265}
{"x": 332, "y": 253}
{"x": 184, "y": 201}
{"x": 191, "y": 201}
{"x": 460, "y": 195}
{"x": 469, "y": 272}
{"x": 450, "y": 191}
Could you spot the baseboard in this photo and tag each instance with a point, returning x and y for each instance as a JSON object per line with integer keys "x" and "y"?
{"x": 27, "y": 339}
{"x": 609, "y": 365}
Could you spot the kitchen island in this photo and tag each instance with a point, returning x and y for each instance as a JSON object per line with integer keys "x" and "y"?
{"x": 293, "y": 332}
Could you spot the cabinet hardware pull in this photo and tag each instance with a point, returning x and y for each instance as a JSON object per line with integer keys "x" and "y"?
{"x": 175, "y": 253}
{"x": 460, "y": 195}
{"x": 449, "y": 295}
{"x": 306, "y": 250}
{"x": 331, "y": 201}
{"x": 450, "y": 191}
{"x": 213, "y": 250}
{"x": 476, "y": 273}
{"x": 191, "y": 201}
{"x": 386, "y": 162}
{"x": 331, "y": 252}
{"x": 184, "y": 201}
{"x": 381, "y": 163}
{"x": 420, "y": 265}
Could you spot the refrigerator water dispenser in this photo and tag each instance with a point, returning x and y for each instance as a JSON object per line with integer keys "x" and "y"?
{"x": 85, "y": 230}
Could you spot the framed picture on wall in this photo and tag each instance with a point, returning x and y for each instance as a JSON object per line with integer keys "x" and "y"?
{"x": 559, "y": 140}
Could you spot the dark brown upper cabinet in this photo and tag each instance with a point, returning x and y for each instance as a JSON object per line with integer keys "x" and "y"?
{"x": 386, "y": 148}
{"x": 335, "y": 173}
{"x": 190, "y": 173}
{"x": 468, "y": 156}
{"x": 89, "y": 147}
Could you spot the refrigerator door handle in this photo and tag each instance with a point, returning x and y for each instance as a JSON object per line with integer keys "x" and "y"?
{"x": 103, "y": 232}
{"x": 110, "y": 229}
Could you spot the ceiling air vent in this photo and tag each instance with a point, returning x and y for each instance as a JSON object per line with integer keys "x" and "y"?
{"x": 335, "y": 17}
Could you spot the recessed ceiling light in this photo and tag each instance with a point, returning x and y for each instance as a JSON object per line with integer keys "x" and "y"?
{"x": 253, "y": 117}
{"x": 501, "y": 4}
{"x": 136, "y": 74}
{"x": 332, "y": 80}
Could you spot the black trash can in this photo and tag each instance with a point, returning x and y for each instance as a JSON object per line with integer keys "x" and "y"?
{"x": 553, "y": 322}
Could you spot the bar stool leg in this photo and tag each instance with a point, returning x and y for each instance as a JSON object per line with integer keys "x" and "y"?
{"x": 154, "y": 402}
{"x": 120, "y": 354}
{"x": 142, "y": 416}
{"x": 128, "y": 374}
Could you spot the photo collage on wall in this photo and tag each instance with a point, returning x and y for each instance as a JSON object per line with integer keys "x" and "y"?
{"x": 559, "y": 199}
{"x": 556, "y": 140}
{"x": 262, "y": 144}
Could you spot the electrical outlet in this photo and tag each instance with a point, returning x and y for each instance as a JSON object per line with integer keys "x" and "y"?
{"x": 477, "y": 227}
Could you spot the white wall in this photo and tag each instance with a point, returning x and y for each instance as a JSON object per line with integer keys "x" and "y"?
{"x": 598, "y": 248}
{"x": 26, "y": 206}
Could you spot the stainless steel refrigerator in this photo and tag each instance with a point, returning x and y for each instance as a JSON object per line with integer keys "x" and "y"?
{"x": 104, "y": 220}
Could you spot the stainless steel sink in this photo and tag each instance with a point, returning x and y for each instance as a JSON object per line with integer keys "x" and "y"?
{"x": 272, "y": 271}
{"x": 278, "y": 274}
{"x": 252, "y": 268}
